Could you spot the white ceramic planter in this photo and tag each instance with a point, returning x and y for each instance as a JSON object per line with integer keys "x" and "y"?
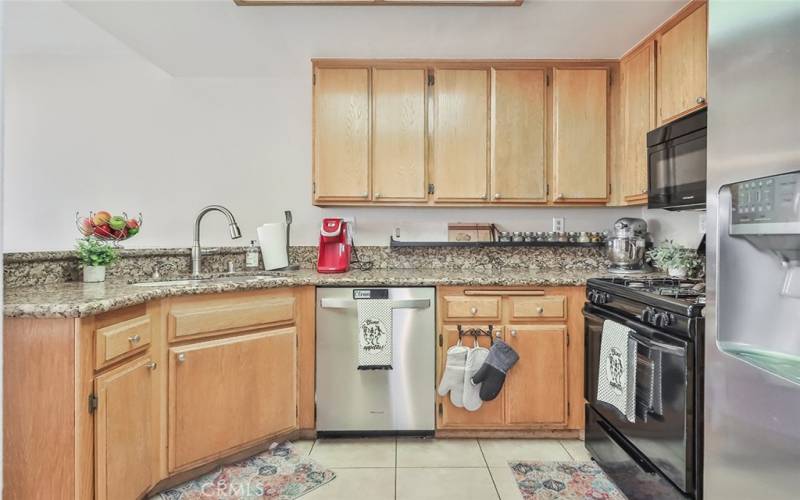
{"x": 678, "y": 272}
{"x": 94, "y": 274}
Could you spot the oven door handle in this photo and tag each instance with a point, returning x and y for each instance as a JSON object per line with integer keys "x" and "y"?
{"x": 659, "y": 346}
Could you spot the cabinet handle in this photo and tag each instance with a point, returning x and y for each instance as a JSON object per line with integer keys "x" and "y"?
{"x": 473, "y": 310}
{"x": 181, "y": 357}
{"x": 540, "y": 310}
{"x": 701, "y": 100}
{"x": 513, "y": 333}
{"x": 497, "y": 196}
{"x": 135, "y": 339}
{"x": 151, "y": 365}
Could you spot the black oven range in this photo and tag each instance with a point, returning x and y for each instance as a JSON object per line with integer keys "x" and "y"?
{"x": 659, "y": 453}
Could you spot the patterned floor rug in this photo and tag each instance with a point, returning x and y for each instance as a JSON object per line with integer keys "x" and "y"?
{"x": 563, "y": 481}
{"x": 279, "y": 473}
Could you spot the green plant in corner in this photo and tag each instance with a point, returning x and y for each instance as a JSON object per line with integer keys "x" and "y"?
{"x": 676, "y": 259}
{"x": 92, "y": 252}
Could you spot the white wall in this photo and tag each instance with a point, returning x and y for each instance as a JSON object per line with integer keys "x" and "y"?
{"x": 116, "y": 133}
{"x": 96, "y": 118}
{"x": 681, "y": 227}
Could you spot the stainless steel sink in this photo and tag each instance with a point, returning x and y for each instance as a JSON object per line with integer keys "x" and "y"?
{"x": 211, "y": 278}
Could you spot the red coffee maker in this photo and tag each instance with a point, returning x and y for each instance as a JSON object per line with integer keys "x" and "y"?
{"x": 335, "y": 246}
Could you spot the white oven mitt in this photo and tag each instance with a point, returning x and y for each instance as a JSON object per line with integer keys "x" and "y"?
{"x": 453, "y": 376}
{"x": 475, "y": 358}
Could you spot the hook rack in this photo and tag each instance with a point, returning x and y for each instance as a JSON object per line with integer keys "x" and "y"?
{"x": 476, "y": 332}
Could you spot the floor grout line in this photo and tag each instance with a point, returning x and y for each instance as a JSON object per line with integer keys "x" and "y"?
{"x": 569, "y": 453}
{"x": 488, "y": 469}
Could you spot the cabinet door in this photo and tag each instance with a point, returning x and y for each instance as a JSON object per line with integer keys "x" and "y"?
{"x": 518, "y": 135}
{"x": 682, "y": 67}
{"x": 460, "y": 135}
{"x": 536, "y": 387}
{"x": 490, "y": 414}
{"x": 341, "y": 134}
{"x": 580, "y": 173}
{"x": 228, "y": 393}
{"x": 639, "y": 117}
{"x": 398, "y": 135}
{"x": 125, "y": 430}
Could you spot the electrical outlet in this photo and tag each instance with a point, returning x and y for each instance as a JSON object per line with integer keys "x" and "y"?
{"x": 558, "y": 224}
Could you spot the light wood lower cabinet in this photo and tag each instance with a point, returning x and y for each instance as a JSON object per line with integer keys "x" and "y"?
{"x": 126, "y": 430}
{"x": 228, "y": 393}
{"x": 543, "y": 392}
{"x": 536, "y": 391}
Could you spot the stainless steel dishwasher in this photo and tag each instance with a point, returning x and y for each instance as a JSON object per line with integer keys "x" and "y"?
{"x": 398, "y": 400}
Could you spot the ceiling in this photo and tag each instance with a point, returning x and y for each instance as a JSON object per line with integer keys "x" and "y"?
{"x": 215, "y": 38}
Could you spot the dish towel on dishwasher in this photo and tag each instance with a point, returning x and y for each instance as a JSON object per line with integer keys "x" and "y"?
{"x": 374, "y": 334}
{"x": 616, "y": 378}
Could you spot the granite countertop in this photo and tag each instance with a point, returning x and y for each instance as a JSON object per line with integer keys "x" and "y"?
{"x": 74, "y": 300}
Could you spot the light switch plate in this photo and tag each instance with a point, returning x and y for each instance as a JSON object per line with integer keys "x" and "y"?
{"x": 558, "y": 224}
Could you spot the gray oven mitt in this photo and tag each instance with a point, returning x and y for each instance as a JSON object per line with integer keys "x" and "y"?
{"x": 493, "y": 372}
{"x": 453, "y": 376}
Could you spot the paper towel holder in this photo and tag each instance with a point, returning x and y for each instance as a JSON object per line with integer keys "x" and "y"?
{"x": 290, "y": 267}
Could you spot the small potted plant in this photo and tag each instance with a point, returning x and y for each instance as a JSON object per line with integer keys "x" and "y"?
{"x": 95, "y": 256}
{"x": 677, "y": 260}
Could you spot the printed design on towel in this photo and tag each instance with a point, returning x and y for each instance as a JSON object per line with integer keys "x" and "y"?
{"x": 373, "y": 334}
{"x": 615, "y": 370}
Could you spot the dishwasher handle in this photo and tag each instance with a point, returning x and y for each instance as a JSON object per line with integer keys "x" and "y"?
{"x": 396, "y": 304}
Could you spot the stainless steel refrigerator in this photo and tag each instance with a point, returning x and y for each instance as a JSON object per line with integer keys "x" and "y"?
{"x": 752, "y": 368}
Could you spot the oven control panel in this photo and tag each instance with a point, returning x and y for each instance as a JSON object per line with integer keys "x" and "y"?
{"x": 768, "y": 205}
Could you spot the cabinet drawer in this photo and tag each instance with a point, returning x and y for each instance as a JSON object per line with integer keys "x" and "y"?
{"x": 119, "y": 339}
{"x": 549, "y": 307}
{"x": 216, "y": 315}
{"x": 472, "y": 308}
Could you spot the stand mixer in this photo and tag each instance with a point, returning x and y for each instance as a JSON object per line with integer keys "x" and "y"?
{"x": 627, "y": 245}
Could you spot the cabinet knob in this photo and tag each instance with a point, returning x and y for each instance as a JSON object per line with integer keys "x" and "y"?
{"x": 513, "y": 333}
{"x": 134, "y": 339}
{"x": 701, "y": 100}
{"x": 377, "y": 195}
{"x": 181, "y": 357}
{"x": 540, "y": 310}
{"x": 483, "y": 197}
{"x": 151, "y": 365}
{"x": 497, "y": 196}
{"x": 473, "y": 310}
{"x": 497, "y": 335}
{"x": 560, "y": 196}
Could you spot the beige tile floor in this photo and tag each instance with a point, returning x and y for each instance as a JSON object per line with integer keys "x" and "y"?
{"x": 429, "y": 469}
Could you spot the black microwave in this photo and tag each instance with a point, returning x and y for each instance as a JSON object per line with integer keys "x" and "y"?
{"x": 676, "y": 164}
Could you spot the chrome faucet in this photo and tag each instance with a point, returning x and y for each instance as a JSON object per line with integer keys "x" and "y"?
{"x": 233, "y": 229}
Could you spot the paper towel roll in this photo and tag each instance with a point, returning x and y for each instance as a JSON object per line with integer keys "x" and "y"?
{"x": 272, "y": 238}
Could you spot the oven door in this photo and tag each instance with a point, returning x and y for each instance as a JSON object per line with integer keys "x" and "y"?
{"x": 663, "y": 431}
{"x": 676, "y": 173}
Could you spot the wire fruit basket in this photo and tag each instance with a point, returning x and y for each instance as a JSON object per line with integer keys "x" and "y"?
{"x": 104, "y": 226}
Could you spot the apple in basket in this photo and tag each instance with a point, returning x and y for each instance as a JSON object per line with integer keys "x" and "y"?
{"x": 133, "y": 227}
{"x": 86, "y": 227}
{"x": 120, "y": 234}
{"x": 103, "y": 231}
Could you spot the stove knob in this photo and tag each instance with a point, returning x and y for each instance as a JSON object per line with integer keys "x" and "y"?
{"x": 662, "y": 320}
{"x": 647, "y": 314}
{"x": 602, "y": 297}
{"x": 592, "y": 295}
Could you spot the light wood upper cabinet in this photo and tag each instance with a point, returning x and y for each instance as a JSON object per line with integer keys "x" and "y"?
{"x": 341, "y": 134}
{"x": 638, "y": 117}
{"x": 536, "y": 389}
{"x": 682, "y": 66}
{"x": 254, "y": 375}
{"x": 580, "y": 172}
{"x": 398, "y": 134}
{"x": 126, "y": 430}
{"x": 460, "y": 135}
{"x": 518, "y": 136}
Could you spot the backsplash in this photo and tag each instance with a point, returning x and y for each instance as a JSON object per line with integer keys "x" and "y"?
{"x": 36, "y": 268}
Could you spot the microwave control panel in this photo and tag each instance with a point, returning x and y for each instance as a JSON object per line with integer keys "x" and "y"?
{"x": 768, "y": 205}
